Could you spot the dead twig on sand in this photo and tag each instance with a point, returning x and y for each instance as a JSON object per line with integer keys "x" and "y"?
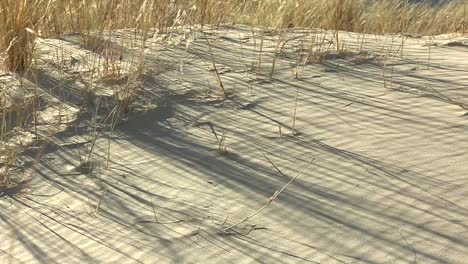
{"x": 459, "y": 103}
{"x": 272, "y": 198}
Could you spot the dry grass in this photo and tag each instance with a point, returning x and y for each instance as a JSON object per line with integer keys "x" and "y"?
{"x": 17, "y": 19}
{"x": 58, "y": 17}
{"x": 22, "y": 21}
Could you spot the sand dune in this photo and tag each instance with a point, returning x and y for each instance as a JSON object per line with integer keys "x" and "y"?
{"x": 385, "y": 125}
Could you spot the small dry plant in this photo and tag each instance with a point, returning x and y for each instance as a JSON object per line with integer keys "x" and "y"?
{"x": 222, "y": 149}
{"x": 293, "y": 126}
{"x": 8, "y": 161}
{"x": 108, "y": 58}
{"x": 222, "y": 91}
{"x": 226, "y": 230}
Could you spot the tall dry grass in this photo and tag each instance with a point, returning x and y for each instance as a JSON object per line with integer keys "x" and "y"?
{"x": 383, "y": 16}
{"x": 17, "y": 18}
{"x": 49, "y": 17}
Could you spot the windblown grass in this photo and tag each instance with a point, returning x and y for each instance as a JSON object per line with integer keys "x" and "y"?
{"x": 20, "y": 18}
{"x": 17, "y": 18}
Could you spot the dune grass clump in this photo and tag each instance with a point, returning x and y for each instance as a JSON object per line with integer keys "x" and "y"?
{"x": 370, "y": 16}
{"x": 18, "y": 18}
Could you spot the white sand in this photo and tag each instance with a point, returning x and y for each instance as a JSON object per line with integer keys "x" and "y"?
{"x": 388, "y": 184}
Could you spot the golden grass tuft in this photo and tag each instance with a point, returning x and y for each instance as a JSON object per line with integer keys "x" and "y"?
{"x": 17, "y": 19}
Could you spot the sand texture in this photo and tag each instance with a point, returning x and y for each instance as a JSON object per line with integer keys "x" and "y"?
{"x": 385, "y": 126}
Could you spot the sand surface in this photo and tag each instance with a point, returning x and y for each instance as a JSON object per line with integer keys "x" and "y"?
{"x": 386, "y": 129}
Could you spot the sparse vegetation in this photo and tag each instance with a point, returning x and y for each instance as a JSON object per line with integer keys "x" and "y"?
{"x": 92, "y": 83}
{"x": 24, "y": 20}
